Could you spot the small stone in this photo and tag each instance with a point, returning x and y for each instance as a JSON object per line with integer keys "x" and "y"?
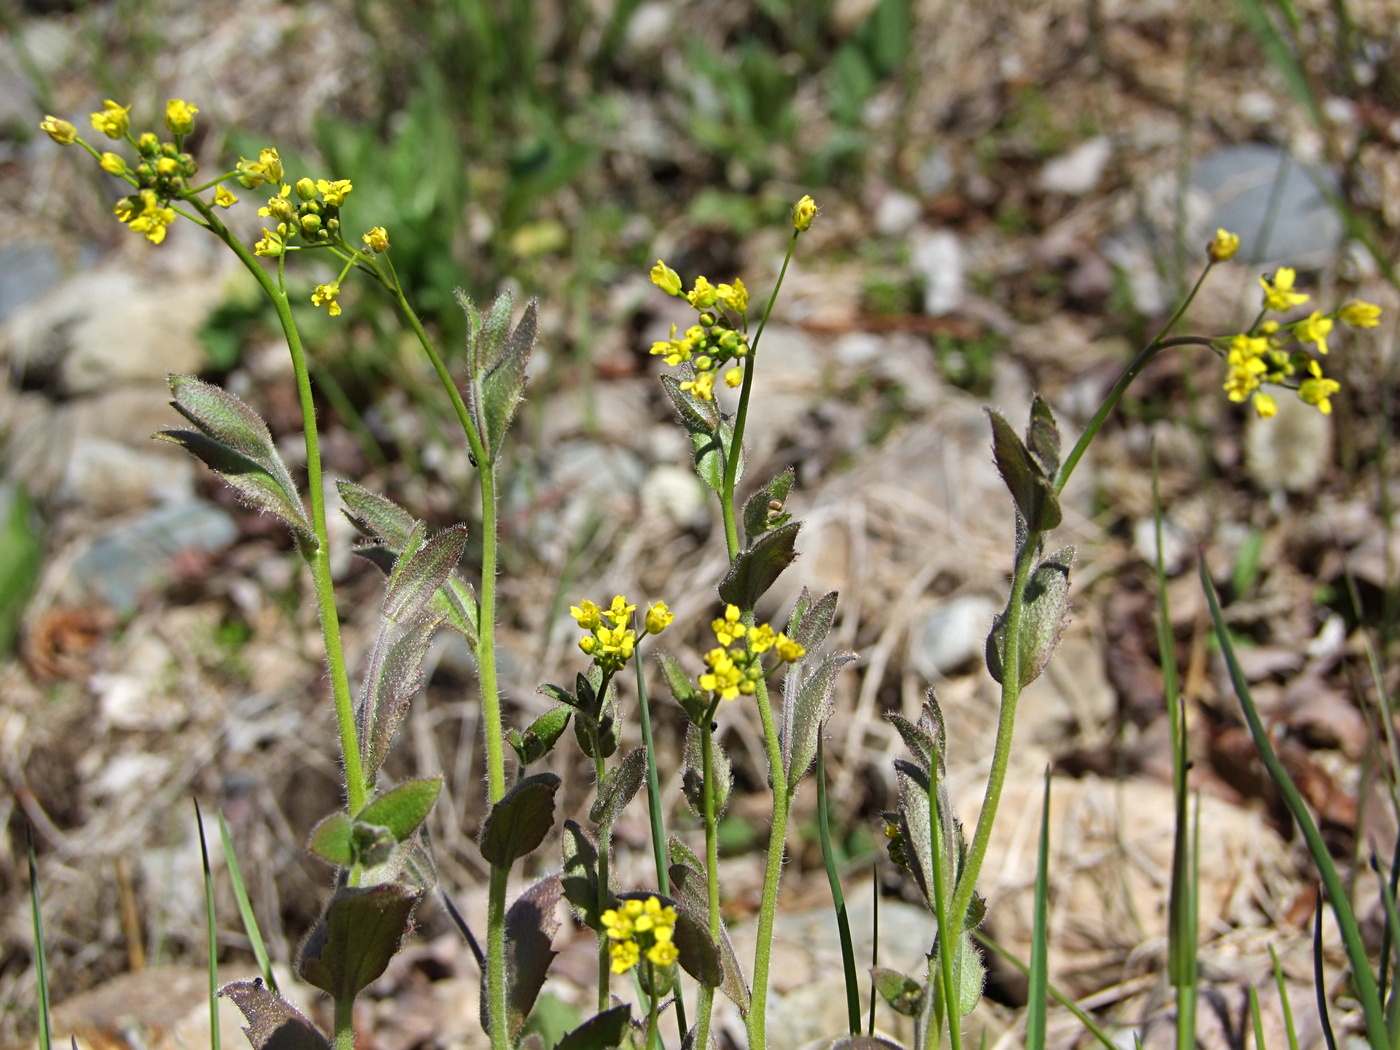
{"x": 1290, "y": 451}
{"x": 675, "y": 493}
{"x": 952, "y": 635}
{"x": 110, "y": 478}
{"x": 649, "y": 28}
{"x": 896, "y": 213}
{"x": 937, "y": 257}
{"x": 1077, "y": 172}
{"x": 935, "y": 174}
{"x": 1177, "y": 543}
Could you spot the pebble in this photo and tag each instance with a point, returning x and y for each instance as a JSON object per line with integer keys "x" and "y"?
{"x": 937, "y": 257}
{"x": 896, "y": 213}
{"x": 1077, "y": 172}
{"x": 952, "y": 635}
{"x": 1290, "y": 451}
{"x": 122, "y": 564}
{"x": 1177, "y": 543}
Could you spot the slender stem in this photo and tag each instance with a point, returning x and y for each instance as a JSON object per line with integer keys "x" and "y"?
{"x": 345, "y": 1024}
{"x": 741, "y": 416}
{"x": 950, "y": 922}
{"x": 318, "y": 560}
{"x": 838, "y": 899}
{"x": 705, "y": 1000}
{"x": 772, "y": 873}
{"x": 653, "y": 1026}
{"x": 486, "y": 618}
{"x": 498, "y": 1005}
{"x": 604, "y": 849}
{"x": 1006, "y": 723}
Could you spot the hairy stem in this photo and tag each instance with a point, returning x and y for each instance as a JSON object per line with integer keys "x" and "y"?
{"x": 772, "y": 872}
{"x": 345, "y": 1024}
{"x": 497, "y": 1003}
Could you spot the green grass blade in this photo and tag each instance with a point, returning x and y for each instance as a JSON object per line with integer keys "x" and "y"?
{"x": 874, "y": 944}
{"x": 245, "y": 908}
{"x": 1282, "y": 55}
{"x": 838, "y": 899}
{"x": 1392, "y": 925}
{"x": 1284, "y": 1001}
{"x": 1037, "y": 1002}
{"x": 211, "y": 930}
{"x": 1390, "y": 932}
{"x": 41, "y": 957}
{"x": 1363, "y": 978}
{"x": 1090, "y": 1025}
{"x": 1256, "y": 1020}
{"x": 1320, "y": 981}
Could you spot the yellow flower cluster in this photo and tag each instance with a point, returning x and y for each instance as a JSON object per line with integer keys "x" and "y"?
{"x": 1253, "y": 360}
{"x": 735, "y": 669}
{"x": 314, "y": 216}
{"x": 610, "y": 641}
{"x": 639, "y": 928}
{"x": 716, "y": 341}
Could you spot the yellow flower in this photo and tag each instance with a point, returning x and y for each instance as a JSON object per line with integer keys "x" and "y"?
{"x": 635, "y": 928}
{"x": 267, "y": 168}
{"x": 762, "y": 638}
{"x": 703, "y": 295}
{"x": 325, "y": 295}
{"x": 62, "y": 132}
{"x": 113, "y": 120}
{"x": 334, "y": 193}
{"x": 587, "y": 614}
{"x": 1264, "y": 405}
{"x": 588, "y": 644}
{"x": 112, "y": 163}
{"x": 625, "y": 955}
{"x": 1224, "y": 246}
{"x": 620, "y": 612}
{"x": 1360, "y": 314}
{"x": 734, "y": 296}
{"x": 1318, "y": 390}
{"x": 724, "y": 677}
{"x": 803, "y": 212}
{"x": 658, "y": 618}
{"x": 145, "y": 214}
{"x": 270, "y": 246}
{"x": 224, "y": 198}
{"x": 278, "y": 206}
{"x": 663, "y": 952}
{"x": 179, "y": 116}
{"x": 734, "y": 377}
{"x": 729, "y": 628}
{"x": 1314, "y": 330}
{"x": 1279, "y": 295}
{"x": 271, "y": 164}
{"x": 789, "y": 651}
{"x": 702, "y": 386}
{"x": 666, "y": 278}
{"x": 377, "y": 239}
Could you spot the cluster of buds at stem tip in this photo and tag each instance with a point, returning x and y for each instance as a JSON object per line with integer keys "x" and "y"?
{"x": 610, "y": 640}
{"x": 736, "y": 669}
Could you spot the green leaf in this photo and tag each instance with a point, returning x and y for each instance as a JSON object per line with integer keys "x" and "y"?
{"x": 758, "y": 568}
{"x": 235, "y": 443}
{"x": 692, "y": 775}
{"x": 273, "y": 1023}
{"x": 710, "y": 436}
{"x": 403, "y": 809}
{"x": 600, "y": 1031}
{"x": 713, "y": 965}
{"x": 1044, "y": 615}
{"x": 579, "y": 880}
{"x": 1030, "y": 488}
{"x": 21, "y": 554}
{"x": 416, "y": 579}
{"x": 355, "y": 939}
{"x": 496, "y": 360}
{"x": 530, "y": 930}
{"x": 1037, "y": 1000}
{"x": 695, "y": 703}
{"x": 696, "y": 414}
{"x": 518, "y": 823}
{"x": 1043, "y": 436}
{"x": 904, "y": 995}
{"x": 394, "y": 675}
{"x": 811, "y": 621}
{"x": 927, "y": 738}
{"x": 332, "y": 840}
{"x": 376, "y": 516}
{"x": 763, "y": 511}
{"x": 805, "y": 717}
{"x": 619, "y": 787}
{"x": 541, "y": 736}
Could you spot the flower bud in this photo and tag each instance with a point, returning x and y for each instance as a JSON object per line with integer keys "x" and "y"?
{"x": 1224, "y": 246}
{"x": 306, "y": 189}
{"x": 666, "y": 278}
{"x": 377, "y": 239}
{"x": 803, "y": 212}
{"x": 113, "y": 121}
{"x": 179, "y": 116}
{"x": 112, "y": 164}
{"x": 62, "y": 132}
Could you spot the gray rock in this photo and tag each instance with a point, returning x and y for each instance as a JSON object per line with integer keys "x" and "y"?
{"x": 952, "y": 635}
{"x": 937, "y": 257}
{"x": 896, "y": 213}
{"x": 935, "y": 174}
{"x": 1290, "y": 451}
{"x": 1177, "y": 543}
{"x": 27, "y": 271}
{"x": 109, "y": 478}
{"x": 1077, "y": 172}
{"x": 1245, "y": 183}
{"x": 133, "y": 558}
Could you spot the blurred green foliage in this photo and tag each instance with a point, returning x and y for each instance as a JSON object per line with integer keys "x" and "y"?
{"x": 21, "y": 550}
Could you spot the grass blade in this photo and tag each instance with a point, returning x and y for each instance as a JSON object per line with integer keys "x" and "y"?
{"x": 245, "y": 908}
{"x": 1363, "y": 978}
{"x": 41, "y": 958}
{"x": 1320, "y": 981}
{"x": 1284, "y": 1001}
{"x": 1256, "y": 1020}
{"x": 1037, "y": 1002}
{"x": 874, "y": 943}
{"x": 1090, "y": 1025}
{"x": 211, "y": 930}
{"x": 838, "y": 899}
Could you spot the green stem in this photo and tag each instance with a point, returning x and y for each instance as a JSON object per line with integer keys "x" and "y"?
{"x": 653, "y": 1025}
{"x": 705, "y": 1000}
{"x": 497, "y": 1003}
{"x": 604, "y": 849}
{"x": 950, "y": 922}
{"x": 318, "y": 560}
{"x": 486, "y": 618}
{"x": 772, "y": 873}
{"x": 741, "y": 416}
{"x": 838, "y": 899}
{"x": 345, "y": 1024}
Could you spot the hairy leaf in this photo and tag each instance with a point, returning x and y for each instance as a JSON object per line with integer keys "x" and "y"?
{"x": 356, "y": 937}
{"x": 579, "y": 880}
{"x": 417, "y": 578}
{"x": 811, "y": 621}
{"x": 394, "y": 675}
{"x": 1044, "y": 615}
{"x": 1043, "y": 436}
{"x": 692, "y": 701}
{"x": 530, "y": 930}
{"x": 714, "y": 965}
{"x": 764, "y": 510}
{"x": 758, "y": 568}
{"x": 273, "y": 1023}
{"x": 692, "y": 773}
{"x": 403, "y": 809}
{"x": 903, "y": 994}
{"x": 805, "y": 715}
{"x": 1030, "y": 488}
{"x": 518, "y": 823}
{"x": 539, "y": 739}
{"x": 376, "y": 516}
{"x": 600, "y": 1031}
{"x": 619, "y": 787}
{"x": 332, "y": 840}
